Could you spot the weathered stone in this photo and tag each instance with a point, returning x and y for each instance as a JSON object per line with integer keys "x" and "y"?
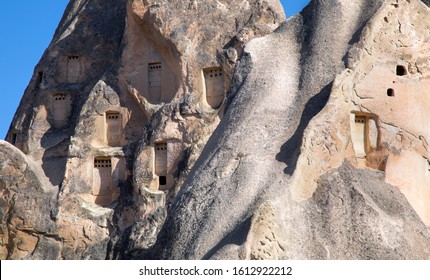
{"x": 119, "y": 79}
{"x": 26, "y": 205}
{"x": 265, "y": 235}
{"x": 297, "y": 115}
{"x": 169, "y": 130}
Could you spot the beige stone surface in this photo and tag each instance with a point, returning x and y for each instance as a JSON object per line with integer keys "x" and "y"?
{"x": 119, "y": 78}
{"x": 219, "y": 129}
{"x": 343, "y": 96}
{"x": 265, "y": 237}
{"x": 388, "y": 133}
{"x": 26, "y": 200}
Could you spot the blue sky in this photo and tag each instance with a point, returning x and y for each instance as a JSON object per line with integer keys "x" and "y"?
{"x": 26, "y": 30}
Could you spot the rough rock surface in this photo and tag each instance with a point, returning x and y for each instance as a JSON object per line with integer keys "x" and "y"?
{"x": 219, "y": 130}
{"x": 27, "y": 200}
{"x": 269, "y": 149}
{"x": 119, "y": 109}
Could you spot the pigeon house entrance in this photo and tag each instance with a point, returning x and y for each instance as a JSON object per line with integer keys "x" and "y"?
{"x": 161, "y": 163}
{"x": 74, "y": 69}
{"x": 154, "y": 79}
{"x": 214, "y": 86}
{"x": 61, "y": 108}
{"x": 365, "y": 134}
{"x": 113, "y": 129}
{"x": 39, "y": 79}
{"x": 360, "y": 135}
{"x": 14, "y": 138}
{"x": 102, "y": 187}
{"x": 401, "y": 70}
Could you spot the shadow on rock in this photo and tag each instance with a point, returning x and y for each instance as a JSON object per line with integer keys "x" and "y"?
{"x": 290, "y": 151}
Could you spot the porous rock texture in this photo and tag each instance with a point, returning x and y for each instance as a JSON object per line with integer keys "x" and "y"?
{"x": 219, "y": 130}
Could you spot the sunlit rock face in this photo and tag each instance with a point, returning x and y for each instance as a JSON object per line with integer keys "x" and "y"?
{"x": 118, "y": 111}
{"x": 330, "y": 147}
{"x": 384, "y": 102}
{"x": 220, "y": 130}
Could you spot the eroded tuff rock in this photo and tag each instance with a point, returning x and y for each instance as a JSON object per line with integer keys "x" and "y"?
{"x": 120, "y": 107}
{"x": 164, "y": 131}
{"x": 27, "y": 202}
{"x": 308, "y": 112}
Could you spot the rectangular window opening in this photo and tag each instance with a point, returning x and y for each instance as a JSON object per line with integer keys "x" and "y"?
{"x": 102, "y": 163}
{"x": 213, "y": 72}
{"x": 214, "y": 86}
{"x": 401, "y": 70}
{"x": 14, "y": 136}
{"x": 154, "y": 66}
{"x": 112, "y": 116}
{"x": 39, "y": 79}
{"x": 161, "y": 160}
{"x": 161, "y": 146}
{"x": 359, "y": 119}
{"x": 59, "y": 96}
{"x": 75, "y": 69}
{"x": 360, "y": 135}
{"x": 113, "y": 129}
{"x": 155, "y": 82}
{"x": 162, "y": 180}
{"x": 61, "y": 109}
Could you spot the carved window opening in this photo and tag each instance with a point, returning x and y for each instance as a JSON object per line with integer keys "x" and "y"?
{"x": 390, "y": 92}
{"x": 112, "y": 116}
{"x": 102, "y": 163}
{"x": 39, "y": 79}
{"x": 360, "y": 135}
{"x": 401, "y": 70}
{"x": 74, "y": 69}
{"x": 366, "y": 140}
{"x": 214, "y": 86}
{"x": 113, "y": 129}
{"x": 102, "y": 187}
{"x": 59, "y": 96}
{"x": 155, "y": 80}
{"x": 61, "y": 109}
{"x": 161, "y": 162}
{"x": 162, "y": 180}
{"x": 107, "y": 173}
{"x": 14, "y": 137}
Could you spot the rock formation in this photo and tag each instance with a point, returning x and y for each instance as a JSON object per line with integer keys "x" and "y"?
{"x": 219, "y": 130}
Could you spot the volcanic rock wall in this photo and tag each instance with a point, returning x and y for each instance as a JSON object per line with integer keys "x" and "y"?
{"x": 163, "y": 129}
{"x": 309, "y": 142}
{"x": 118, "y": 111}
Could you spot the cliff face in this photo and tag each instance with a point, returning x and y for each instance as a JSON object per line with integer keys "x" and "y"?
{"x": 161, "y": 130}
{"x": 316, "y": 141}
{"x": 118, "y": 110}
